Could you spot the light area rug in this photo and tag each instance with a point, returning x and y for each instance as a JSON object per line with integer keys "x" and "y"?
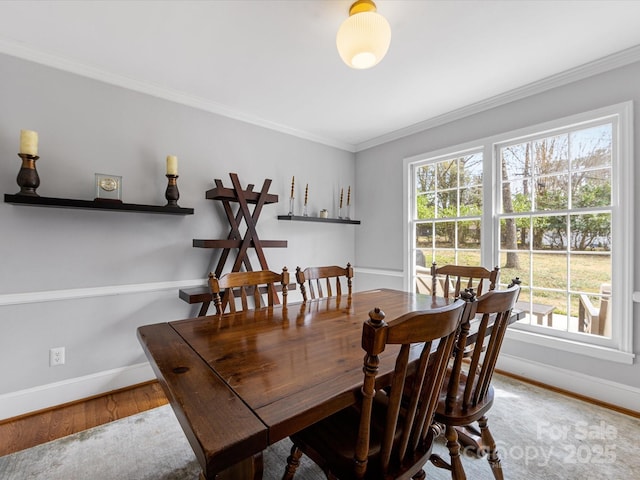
{"x": 541, "y": 435}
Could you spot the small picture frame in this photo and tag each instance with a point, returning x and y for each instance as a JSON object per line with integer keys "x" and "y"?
{"x": 108, "y": 187}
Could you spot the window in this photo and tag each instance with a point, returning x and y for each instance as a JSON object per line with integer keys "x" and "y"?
{"x": 448, "y": 208}
{"x": 546, "y": 205}
{"x": 555, "y": 226}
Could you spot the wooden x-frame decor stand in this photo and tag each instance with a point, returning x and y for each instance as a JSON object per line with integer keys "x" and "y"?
{"x": 235, "y": 241}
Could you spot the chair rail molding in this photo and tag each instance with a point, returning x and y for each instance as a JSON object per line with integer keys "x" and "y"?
{"x": 379, "y": 271}
{"x": 107, "y": 290}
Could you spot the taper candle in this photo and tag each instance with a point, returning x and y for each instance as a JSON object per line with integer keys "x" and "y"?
{"x": 293, "y": 182}
{"x": 306, "y": 193}
{"x": 172, "y": 165}
{"x": 349, "y": 196}
{"x": 29, "y": 142}
{"x": 341, "y": 193}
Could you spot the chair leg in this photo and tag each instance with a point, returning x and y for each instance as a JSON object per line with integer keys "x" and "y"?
{"x": 457, "y": 471}
{"x": 437, "y": 460}
{"x": 470, "y": 440}
{"x": 421, "y": 475}
{"x": 293, "y": 461}
{"x": 492, "y": 451}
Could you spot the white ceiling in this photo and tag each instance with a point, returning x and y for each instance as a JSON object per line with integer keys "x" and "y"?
{"x": 274, "y": 62}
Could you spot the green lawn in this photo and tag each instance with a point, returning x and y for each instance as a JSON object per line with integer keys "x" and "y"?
{"x": 585, "y": 273}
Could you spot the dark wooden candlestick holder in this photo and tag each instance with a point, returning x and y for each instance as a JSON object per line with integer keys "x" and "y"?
{"x": 172, "y": 195}
{"x": 28, "y": 178}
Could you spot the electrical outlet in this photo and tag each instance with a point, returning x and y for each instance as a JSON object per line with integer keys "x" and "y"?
{"x": 56, "y": 356}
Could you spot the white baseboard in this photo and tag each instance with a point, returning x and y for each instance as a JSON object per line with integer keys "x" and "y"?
{"x": 613, "y": 393}
{"x": 46, "y": 396}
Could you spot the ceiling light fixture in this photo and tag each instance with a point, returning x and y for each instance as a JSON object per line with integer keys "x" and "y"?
{"x": 363, "y": 39}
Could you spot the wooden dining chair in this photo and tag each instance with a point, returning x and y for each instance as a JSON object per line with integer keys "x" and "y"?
{"x": 248, "y": 285}
{"x": 452, "y": 279}
{"x": 467, "y": 393}
{"x": 382, "y": 436}
{"x": 316, "y": 277}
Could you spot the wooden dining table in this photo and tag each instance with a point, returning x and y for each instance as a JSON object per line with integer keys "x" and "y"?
{"x": 241, "y": 382}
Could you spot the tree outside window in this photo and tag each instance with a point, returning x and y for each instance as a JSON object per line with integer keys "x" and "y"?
{"x": 555, "y": 223}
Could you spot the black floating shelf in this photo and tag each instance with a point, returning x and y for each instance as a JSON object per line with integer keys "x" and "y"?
{"x": 94, "y": 205}
{"x": 300, "y": 218}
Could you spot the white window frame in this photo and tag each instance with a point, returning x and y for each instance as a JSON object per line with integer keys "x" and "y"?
{"x": 619, "y": 348}
{"x": 413, "y": 213}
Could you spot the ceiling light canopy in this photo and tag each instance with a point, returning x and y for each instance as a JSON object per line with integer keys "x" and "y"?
{"x": 363, "y": 39}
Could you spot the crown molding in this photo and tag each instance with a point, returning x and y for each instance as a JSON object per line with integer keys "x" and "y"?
{"x": 55, "y": 61}
{"x": 610, "y": 62}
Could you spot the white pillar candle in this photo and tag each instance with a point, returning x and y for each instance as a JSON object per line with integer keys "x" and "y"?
{"x": 29, "y": 142}
{"x": 172, "y": 165}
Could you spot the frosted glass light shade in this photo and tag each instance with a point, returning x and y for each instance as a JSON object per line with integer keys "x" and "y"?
{"x": 363, "y": 39}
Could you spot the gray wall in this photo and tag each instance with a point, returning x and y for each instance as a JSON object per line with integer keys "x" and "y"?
{"x": 85, "y": 127}
{"x": 379, "y": 171}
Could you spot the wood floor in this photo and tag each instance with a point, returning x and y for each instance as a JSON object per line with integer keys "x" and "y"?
{"x": 35, "y": 428}
{"x": 32, "y": 429}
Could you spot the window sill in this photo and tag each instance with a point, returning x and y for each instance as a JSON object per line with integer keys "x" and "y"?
{"x": 595, "y": 351}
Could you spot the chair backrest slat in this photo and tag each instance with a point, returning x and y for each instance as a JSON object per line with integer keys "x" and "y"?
{"x": 408, "y": 416}
{"x": 493, "y": 310}
{"x": 461, "y": 277}
{"x": 313, "y": 279}
{"x": 248, "y": 284}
